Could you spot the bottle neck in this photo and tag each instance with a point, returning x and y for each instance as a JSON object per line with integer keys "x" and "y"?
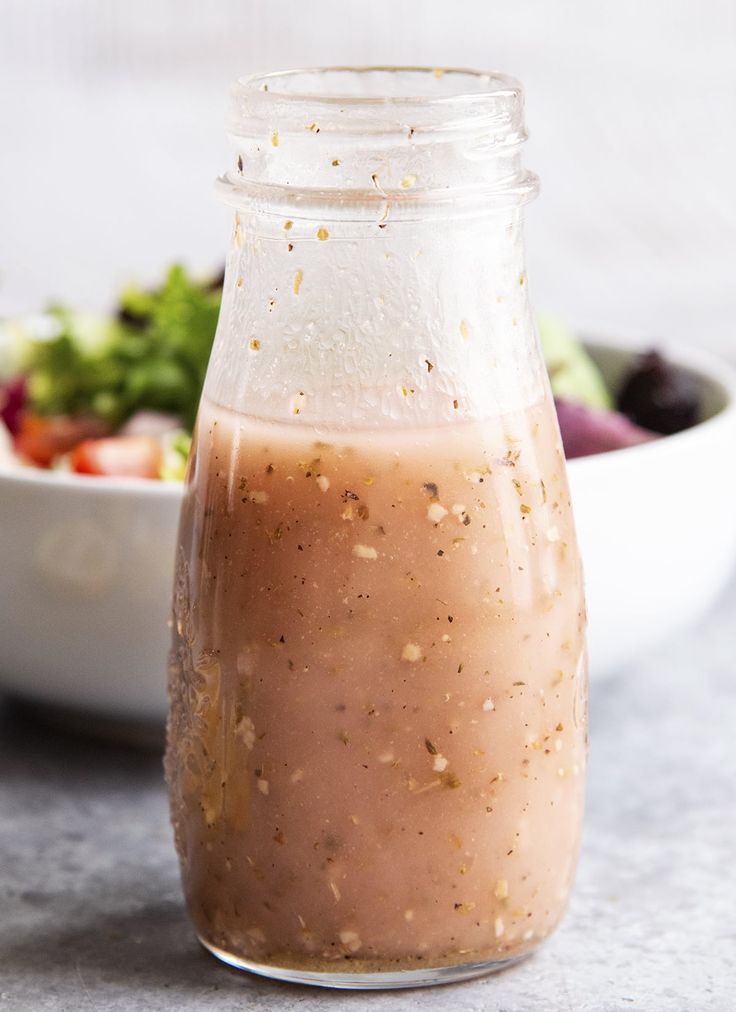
{"x": 376, "y": 275}
{"x": 340, "y": 323}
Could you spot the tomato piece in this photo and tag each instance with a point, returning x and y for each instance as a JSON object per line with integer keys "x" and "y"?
{"x": 42, "y": 438}
{"x": 119, "y": 456}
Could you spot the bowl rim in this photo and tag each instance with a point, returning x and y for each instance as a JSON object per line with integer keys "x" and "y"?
{"x": 704, "y": 364}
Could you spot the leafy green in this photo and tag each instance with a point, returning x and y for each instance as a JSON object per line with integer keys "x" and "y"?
{"x": 153, "y": 356}
{"x": 176, "y": 454}
{"x": 573, "y": 373}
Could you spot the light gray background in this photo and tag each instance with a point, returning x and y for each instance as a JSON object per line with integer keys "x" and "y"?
{"x": 111, "y": 134}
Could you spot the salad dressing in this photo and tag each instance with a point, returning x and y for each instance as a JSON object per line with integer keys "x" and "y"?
{"x": 377, "y": 737}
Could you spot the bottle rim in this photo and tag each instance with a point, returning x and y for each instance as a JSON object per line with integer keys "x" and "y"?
{"x": 275, "y": 86}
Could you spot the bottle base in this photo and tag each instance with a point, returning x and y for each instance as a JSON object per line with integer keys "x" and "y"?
{"x": 366, "y": 980}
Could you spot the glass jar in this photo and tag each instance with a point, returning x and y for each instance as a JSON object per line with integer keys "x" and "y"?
{"x": 378, "y": 680}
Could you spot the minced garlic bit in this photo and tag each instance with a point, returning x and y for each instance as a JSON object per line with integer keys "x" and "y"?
{"x": 323, "y": 482}
{"x": 245, "y": 730}
{"x": 297, "y": 403}
{"x": 528, "y": 934}
{"x": 351, "y": 940}
{"x": 355, "y": 820}
{"x": 322, "y": 234}
{"x": 408, "y": 915}
{"x": 365, "y": 552}
{"x": 464, "y": 908}
{"x": 263, "y": 786}
{"x": 436, "y": 512}
{"x": 335, "y": 162}
{"x": 275, "y": 138}
{"x": 553, "y": 534}
{"x": 501, "y": 891}
{"x": 237, "y": 231}
{"x": 438, "y": 72}
{"x": 298, "y": 277}
{"x": 407, "y": 182}
{"x": 440, "y": 764}
{"x": 488, "y": 705}
{"x": 476, "y": 477}
{"x": 256, "y": 935}
{"x": 499, "y": 927}
{"x": 412, "y": 652}
{"x": 335, "y": 891}
{"x": 258, "y": 497}
{"x": 254, "y": 344}
{"x": 296, "y": 776}
{"x": 524, "y": 508}
{"x": 446, "y": 638}
{"x": 464, "y": 330}
{"x": 312, "y": 127}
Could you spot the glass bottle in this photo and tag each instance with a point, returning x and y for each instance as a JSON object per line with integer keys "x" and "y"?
{"x": 378, "y": 680}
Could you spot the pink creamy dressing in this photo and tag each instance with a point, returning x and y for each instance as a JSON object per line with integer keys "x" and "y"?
{"x": 377, "y": 733}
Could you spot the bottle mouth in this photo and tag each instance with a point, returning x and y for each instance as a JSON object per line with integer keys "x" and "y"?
{"x": 383, "y": 98}
{"x": 368, "y": 135}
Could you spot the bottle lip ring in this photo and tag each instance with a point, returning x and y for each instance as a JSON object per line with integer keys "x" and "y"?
{"x": 384, "y": 99}
{"x": 365, "y": 206}
{"x": 262, "y": 84}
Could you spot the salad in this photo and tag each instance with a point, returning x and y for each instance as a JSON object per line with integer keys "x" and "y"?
{"x": 110, "y": 395}
{"x": 116, "y": 395}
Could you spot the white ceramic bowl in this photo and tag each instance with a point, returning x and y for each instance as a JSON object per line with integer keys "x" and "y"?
{"x": 86, "y": 564}
{"x": 656, "y": 523}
